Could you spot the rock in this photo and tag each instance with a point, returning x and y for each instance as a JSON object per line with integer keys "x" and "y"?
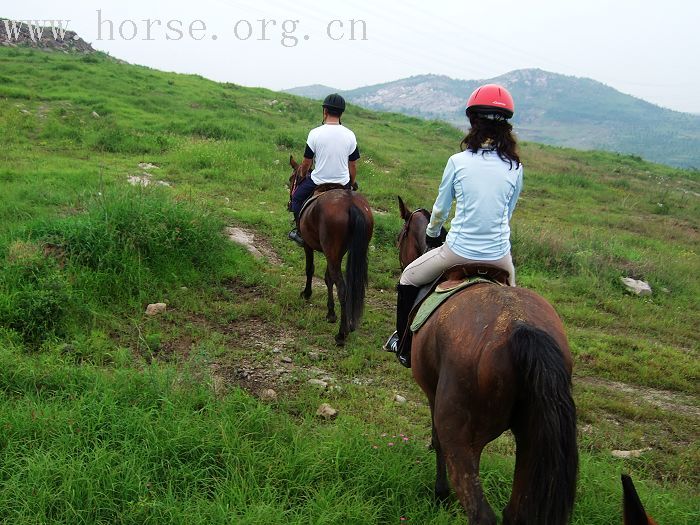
{"x": 95, "y": 114}
{"x": 286, "y": 359}
{"x": 268, "y": 395}
{"x": 327, "y": 412}
{"x": 156, "y": 308}
{"x": 399, "y": 399}
{"x": 629, "y": 453}
{"x": 636, "y": 287}
{"x": 145, "y": 180}
{"x": 276, "y": 351}
{"x": 318, "y": 382}
{"x": 140, "y": 180}
{"x": 26, "y": 112}
{"x": 148, "y": 166}
{"x": 314, "y": 356}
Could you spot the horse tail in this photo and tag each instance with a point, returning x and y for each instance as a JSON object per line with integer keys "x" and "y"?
{"x": 544, "y": 426}
{"x": 356, "y": 266}
{"x": 633, "y": 510}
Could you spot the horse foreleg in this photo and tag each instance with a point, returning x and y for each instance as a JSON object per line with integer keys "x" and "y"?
{"x": 330, "y": 316}
{"x": 306, "y": 293}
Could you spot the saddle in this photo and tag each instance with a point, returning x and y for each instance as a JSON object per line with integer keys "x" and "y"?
{"x": 452, "y": 281}
{"x": 320, "y": 189}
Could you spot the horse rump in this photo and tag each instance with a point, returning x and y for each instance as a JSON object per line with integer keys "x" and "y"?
{"x": 544, "y": 425}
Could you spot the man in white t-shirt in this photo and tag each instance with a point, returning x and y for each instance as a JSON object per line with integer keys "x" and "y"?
{"x": 333, "y": 147}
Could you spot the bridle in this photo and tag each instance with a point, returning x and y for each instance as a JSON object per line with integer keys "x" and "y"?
{"x": 407, "y": 225}
{"x": 403, "y": 234}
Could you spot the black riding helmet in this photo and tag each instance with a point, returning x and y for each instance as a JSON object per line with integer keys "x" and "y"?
{"x": 334, "y": 101}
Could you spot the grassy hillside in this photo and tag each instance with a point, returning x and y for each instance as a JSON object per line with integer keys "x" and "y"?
{"x": 111, "y": 416}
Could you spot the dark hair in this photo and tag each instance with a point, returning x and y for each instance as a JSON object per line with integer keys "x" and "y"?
{"x": 498, "y": 132}
{"x": 334, "y": 112}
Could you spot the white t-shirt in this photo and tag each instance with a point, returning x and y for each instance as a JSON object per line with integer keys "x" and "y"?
{"x": 332, "y": 146}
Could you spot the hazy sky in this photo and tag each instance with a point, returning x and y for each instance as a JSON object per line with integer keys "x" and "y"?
{"x": 645, "y": 48}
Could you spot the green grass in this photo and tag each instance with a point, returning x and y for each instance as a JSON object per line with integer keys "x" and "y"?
{"x": 109, "y": 416}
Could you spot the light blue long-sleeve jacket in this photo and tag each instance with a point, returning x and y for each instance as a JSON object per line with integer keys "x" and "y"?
{"x": 486, "y": 189}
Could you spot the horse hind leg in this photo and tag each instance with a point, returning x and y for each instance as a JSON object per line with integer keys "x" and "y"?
{"x": 442, "y": 488}
{"x": 462, "y": 450}
{"x": 336, "y": 276}
{"x": 330, "y": 316}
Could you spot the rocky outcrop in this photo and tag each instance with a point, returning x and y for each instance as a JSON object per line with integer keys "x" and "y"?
{"x": 17, "y": 33}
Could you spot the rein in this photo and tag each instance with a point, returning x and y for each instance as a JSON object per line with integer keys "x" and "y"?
{"x": 403, "y": 234}
{"x": 407, "y": 225}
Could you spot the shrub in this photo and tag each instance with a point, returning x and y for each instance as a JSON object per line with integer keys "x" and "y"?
{"x": 136, "y": 240}
{"x": 36, "y": 298}
{"x": 114, "y": 139}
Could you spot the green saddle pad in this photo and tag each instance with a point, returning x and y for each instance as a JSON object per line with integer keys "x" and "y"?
{"x": 435, "y": 299}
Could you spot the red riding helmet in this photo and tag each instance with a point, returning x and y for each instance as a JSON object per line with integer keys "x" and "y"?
{"x": 491, "y": 99}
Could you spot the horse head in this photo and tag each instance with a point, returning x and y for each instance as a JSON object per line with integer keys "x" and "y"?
{"x": 411, "y": 240}
{"x": 294, "y": 179}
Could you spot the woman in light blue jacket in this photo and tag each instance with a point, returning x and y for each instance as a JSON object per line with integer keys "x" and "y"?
{"x": 485, "y": 180}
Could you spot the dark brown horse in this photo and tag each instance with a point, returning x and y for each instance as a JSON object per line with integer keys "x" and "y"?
{"x": 339, "y": 221}
{"x": 493, "y": 358}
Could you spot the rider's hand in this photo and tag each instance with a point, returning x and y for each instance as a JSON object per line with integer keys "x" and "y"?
{"x": 354, "y": 186}
{"x": 433, "y": 242}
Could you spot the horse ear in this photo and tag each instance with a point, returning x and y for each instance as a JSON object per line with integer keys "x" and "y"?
{"x": 405, "y": 214}
{"x": 293, "y": 163}
{"x": 633, "y": 510}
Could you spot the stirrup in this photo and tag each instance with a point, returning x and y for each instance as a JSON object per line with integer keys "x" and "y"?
{"x": 392, "y": 344}
{"x": 294, "y": 236}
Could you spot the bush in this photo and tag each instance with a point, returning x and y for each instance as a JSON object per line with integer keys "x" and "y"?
{"x": 36, "y": 298}
{"x": 115, "y": 139}
{"x": 137, "y": 240}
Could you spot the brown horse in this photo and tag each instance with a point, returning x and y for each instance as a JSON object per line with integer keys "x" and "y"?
{"x": 339, "y": 221}
{"x": 493, "y": 358}
{"x": 633, "y": 510}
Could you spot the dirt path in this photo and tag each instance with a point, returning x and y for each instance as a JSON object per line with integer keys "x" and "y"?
{"x": 664, "y": 399}
{"x": 255, "y": 243}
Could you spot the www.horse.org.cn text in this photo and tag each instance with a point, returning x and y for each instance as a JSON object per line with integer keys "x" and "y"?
{"x": 285, "y": 32}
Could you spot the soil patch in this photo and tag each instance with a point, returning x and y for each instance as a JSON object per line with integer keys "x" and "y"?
{"x": 664, "y": 399}
{"x": 254, "y": 243}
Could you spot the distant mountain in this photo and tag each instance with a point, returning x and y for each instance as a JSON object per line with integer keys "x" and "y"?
{"x": 550, "y": 108}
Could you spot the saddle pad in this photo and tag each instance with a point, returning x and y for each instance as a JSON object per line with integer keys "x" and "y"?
{"x": 439, "y": 296}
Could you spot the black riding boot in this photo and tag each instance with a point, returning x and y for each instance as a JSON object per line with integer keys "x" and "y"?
{"x": 294, "y": 235}
{"x": 400, "y": 341}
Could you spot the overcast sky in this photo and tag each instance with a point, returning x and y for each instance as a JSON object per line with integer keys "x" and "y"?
{"x": 646, "y": 48}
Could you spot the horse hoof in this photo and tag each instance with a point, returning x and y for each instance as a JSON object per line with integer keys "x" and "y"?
{"x": 305, "y": 295}
{"x": 340, "y": 340}
{"x": 442, "y": 496}
{"x": 331, "y": 318}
